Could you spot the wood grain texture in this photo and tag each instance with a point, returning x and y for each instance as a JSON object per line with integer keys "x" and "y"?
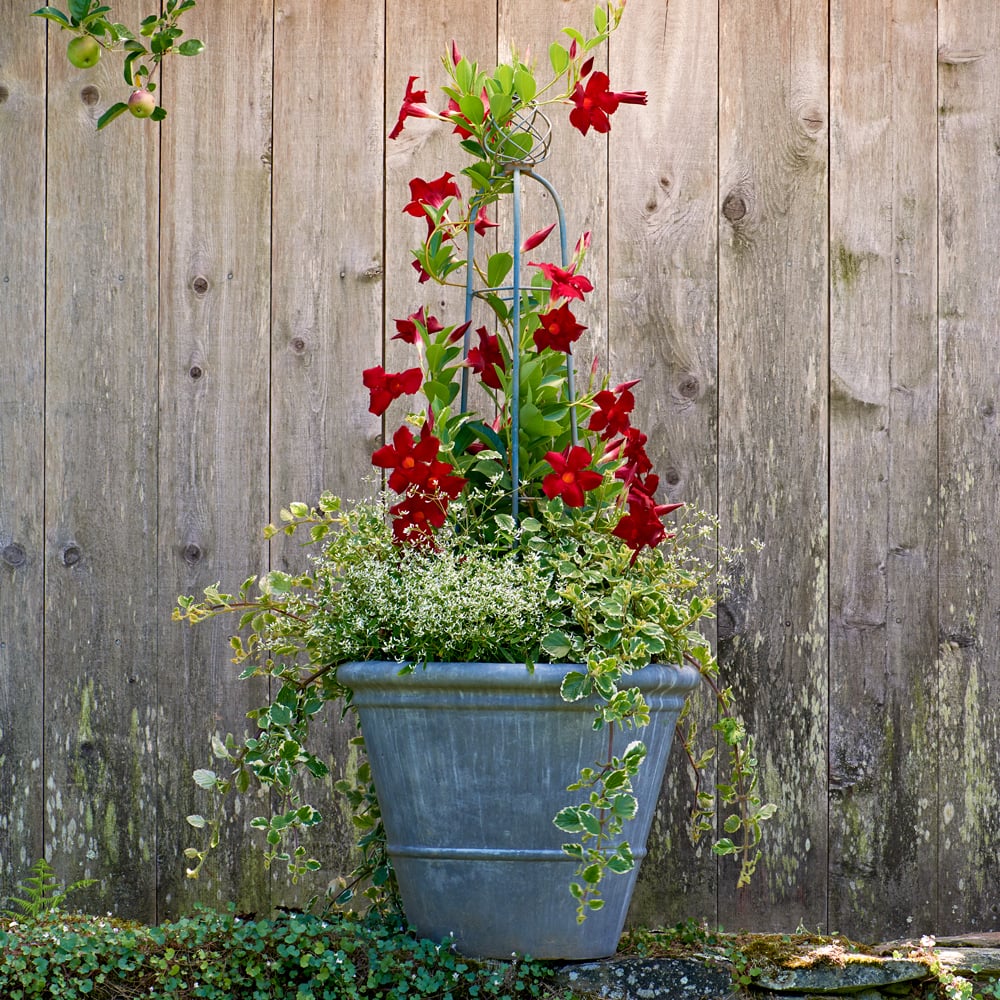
{"x": 214, "y": 442}
{"x": 773, "y": 427}
{"x": 22, "y": 441}
{"x": 969, "y": 465}
{"x": 100, "y": 490}
{"x": 883, "y": 475}
{"x": 327, "y": 289}
{"x": 327, "y": 274}
{"x": 662, "y": 323}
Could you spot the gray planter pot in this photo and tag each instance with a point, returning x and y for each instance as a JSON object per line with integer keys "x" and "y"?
{"x": 470, "y": 762}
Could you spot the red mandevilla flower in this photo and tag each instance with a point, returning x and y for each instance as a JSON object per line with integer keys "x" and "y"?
{"x": 571, "y": 477}
{"x": 536, "y": 239}
{"x": 565, "y": 284}
{"x": 407, "y": 457}
{"x": 410, "y": 327}
{"x": 414, "y": 106}
{"x": 612, "y": 414}
{"x": 634, "y": 452}
{"x": 431, "y": 194}
{"x": 483, "y": 223}
{"x": 642, "y": 525}
{"x": 595, "y": 102}
{"x": 416, "y": 516}
{"x": 486, "y": 359}
{"x": 387, "y": 386}
{"x": 558, "y": 329}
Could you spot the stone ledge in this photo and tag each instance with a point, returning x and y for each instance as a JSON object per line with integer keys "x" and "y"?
{"x": 857, "y": 976}
{"x": 646, "y": 979}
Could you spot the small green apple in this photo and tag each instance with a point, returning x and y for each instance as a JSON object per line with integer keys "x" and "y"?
{"x": 84, "y": 51}
{"x": 142, "y": 103}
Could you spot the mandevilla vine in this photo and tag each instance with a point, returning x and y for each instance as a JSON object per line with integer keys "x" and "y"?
{"x": 94, "y": 31}
{"x": 530, "y": 529}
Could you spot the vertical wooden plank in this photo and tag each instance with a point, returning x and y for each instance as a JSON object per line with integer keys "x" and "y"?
{"x": 883, "y": 497}
{"x": 100, "y": 487}
{"x": 327, "y": 315}
{"x": 214, "y": 381}
{"x": 663, "y": 299}
{"x": 577, "y": 166}
{"x": 773, "y": 427}
{"x": 22, "y": 441}
{"x": 969, "y": 463}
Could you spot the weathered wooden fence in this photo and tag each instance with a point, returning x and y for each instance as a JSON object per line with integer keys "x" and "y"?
{"x": 800, "y": 241}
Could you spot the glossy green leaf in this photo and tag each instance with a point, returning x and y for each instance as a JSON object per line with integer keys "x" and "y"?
{"x": 111, "y": 114}
{"x": 559, "y": 58}
{"x": 500, "y": 107}
{"x": 498, "y": 267}
{"x": 52, "y": 14}
{"x": 525, "y": 86}
{"x": 473, "y": 109}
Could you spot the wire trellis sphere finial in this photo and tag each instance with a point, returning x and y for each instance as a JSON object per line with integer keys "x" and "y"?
{"x": 523, "y": 142}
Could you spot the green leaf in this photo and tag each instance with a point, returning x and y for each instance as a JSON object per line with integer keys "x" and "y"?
{"x": 465, "y": 75}
{"x": 52, "y": 14}
{"x": 575, "y": 685}
{"x": 621, "y": 865}
{"x": 127, "y": 67}
{"x": 624, "y": 806}
{"x": 204, "y": 778}
{"x": 600, "y": 19}
{"x": 111, "y": 114}
{"x": 569, "y": 820}
{"x": 500, "y": 105}
{"x": 473, "y": 109}
{"x": 198, "y": 822}
{"x": 192, "y": 47}
{"x": 559, "y": 58}
{"x": 524, "y": 84}
{"x": 279, "y": 715}
{"x": 504, "y": 76}
{"x": 497, "y": 268}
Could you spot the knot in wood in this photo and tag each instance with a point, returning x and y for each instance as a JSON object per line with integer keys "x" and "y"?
{"x": 734, "y": 207}
{"x": 689, "y": 387}
{"x": 13, "y": 555}
{"x": 90, "y": 95}
{"x": 200, "y": 284}
{"x": 71, "y": 555}
{"x": 4, "y": 93}
{"x": 192, "y": 553}
{"x": 813, "y": 119}
{"x": 196, "y": 372}
{"x": 671, "y": 476}
{"x": 298, "y": 345}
